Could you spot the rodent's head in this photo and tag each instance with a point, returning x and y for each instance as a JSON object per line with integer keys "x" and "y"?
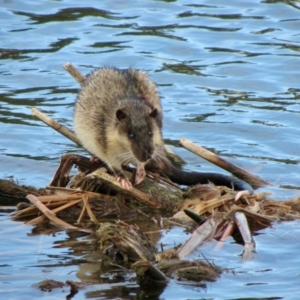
{"x": 138, "y": 125}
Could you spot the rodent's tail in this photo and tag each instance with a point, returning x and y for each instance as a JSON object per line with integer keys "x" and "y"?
{"x": 190, "y": 178}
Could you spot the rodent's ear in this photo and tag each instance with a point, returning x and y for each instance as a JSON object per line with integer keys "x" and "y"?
{"x": 120, "y": 114}
{"x": 153, "y": 113}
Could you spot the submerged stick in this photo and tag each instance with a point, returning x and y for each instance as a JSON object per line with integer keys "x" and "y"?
{"x": 253, "y": 180}
{"x": 56, "y": 125}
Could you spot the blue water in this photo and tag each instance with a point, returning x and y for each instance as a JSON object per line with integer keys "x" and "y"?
{"x": 228, "y": 74}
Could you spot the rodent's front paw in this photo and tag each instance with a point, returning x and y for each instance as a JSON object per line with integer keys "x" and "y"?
{"x": 125, "y": 183}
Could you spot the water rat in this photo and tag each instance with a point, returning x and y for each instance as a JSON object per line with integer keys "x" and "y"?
{"x": 118, "y": 118}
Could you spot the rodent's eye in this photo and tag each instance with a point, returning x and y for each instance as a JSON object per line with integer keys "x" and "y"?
{"x": 131, "y": 136}
{"x": 150, "y": 133}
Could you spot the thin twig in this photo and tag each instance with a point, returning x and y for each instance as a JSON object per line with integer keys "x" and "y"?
{"x": 89, "y": 210}
{"x": 48, "y": 213}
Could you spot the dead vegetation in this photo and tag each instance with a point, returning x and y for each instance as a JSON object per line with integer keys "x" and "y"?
{"x": 95, "y": 195}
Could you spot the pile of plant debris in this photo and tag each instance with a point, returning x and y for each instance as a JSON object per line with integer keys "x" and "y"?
{"x": 92, "y": 200}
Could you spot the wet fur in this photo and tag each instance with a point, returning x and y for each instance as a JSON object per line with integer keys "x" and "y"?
{"x": 118, "y": 117}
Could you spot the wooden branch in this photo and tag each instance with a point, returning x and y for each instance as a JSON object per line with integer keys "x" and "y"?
{"x": 253, "y": 180}
{"x": 74, "y": 73}
{"x": 56, "y": 125}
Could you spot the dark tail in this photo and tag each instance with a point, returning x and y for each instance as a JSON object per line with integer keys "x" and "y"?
{"x": 191, "y": 178}
{"x": 164, "y": 167}
{"x": 179, "y": 176}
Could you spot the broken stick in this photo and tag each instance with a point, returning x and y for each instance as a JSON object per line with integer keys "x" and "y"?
{"x": 48, "y": 213}
{"x": 253, "y": 180}
{"x": 74, "y": 73}
{"x": 56, "y": 125}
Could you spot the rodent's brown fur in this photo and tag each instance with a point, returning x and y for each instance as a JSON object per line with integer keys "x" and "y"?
{"x": 118, "y": 118}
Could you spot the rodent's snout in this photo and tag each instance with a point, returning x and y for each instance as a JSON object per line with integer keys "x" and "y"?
{"x": 147, "y": 155}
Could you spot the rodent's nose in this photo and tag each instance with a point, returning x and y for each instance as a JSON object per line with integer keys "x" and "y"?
{"x": 147, "y": 155}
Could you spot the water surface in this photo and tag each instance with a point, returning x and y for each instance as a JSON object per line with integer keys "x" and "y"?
{"x": 228, "y": 75}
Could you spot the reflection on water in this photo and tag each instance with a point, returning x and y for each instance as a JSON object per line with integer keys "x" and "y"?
{"x": 228, "y": 74}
